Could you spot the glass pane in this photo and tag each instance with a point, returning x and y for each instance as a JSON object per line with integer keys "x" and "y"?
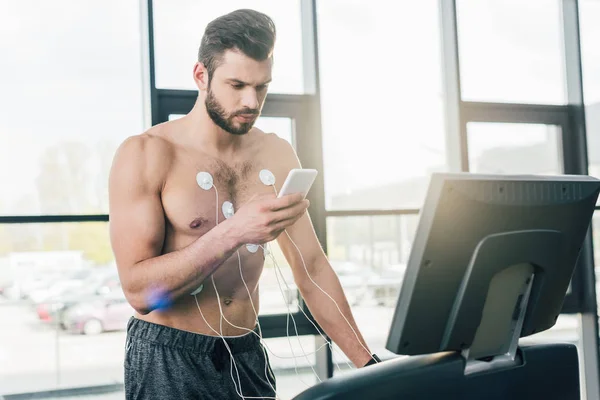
{"x": 67, "y": 101}
{"x": 502, "y": 148}
{"x": 511, "y": 51}
{"x": 177, "y": 43}
{"x": 589, "y": 14}
{"x": 369, "y": 255}
{"x": 382, "y": 117}
{"x": 293, "y": 371}
{"x": 60, "y": 288}
{"x": 566, "y": 330}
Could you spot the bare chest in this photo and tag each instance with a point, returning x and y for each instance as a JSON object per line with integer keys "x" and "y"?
{"x": 191, "y": 209}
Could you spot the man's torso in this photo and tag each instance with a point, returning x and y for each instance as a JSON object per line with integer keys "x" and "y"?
{"x": 190, "y": 212}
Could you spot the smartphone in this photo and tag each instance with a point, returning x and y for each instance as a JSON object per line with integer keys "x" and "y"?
{"x": 299, "y": 180}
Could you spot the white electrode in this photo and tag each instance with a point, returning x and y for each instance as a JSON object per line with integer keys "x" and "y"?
{"x": 252, "y": 248}
{"x": 266, "y": 177}
{"x": 227, "y": 209}
{"x": 204, "y": 180}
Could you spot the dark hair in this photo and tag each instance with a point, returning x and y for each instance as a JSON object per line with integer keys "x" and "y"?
{"x": 251, "y": 32}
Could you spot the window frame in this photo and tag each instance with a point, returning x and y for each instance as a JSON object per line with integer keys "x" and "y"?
{"x": 305, "y": 111}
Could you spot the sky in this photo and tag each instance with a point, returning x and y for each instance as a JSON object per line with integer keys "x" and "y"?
{"x": 76, "y": 76}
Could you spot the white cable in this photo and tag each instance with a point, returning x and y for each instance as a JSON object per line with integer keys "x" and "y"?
{"x": 255, "y": 320}
{"x": 327, "y": 342}
{"x": 220, "y": 334}
{"x": 291, "y": 347}
{"x": 325, "y": 293}
{"x": 222, "y": 316}
{"x": 226, "y": 346}
{"x": 221, "y": 311}
{"x": 207, "y": 184}
{"x": 287, "y": 330}
{"x": 265, "y": 345}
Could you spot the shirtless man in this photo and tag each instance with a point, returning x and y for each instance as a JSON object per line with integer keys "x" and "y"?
{"x": 167, "y": 242}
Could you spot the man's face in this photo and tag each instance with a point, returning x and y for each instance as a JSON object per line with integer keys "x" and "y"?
{"x": 237, "y": 91}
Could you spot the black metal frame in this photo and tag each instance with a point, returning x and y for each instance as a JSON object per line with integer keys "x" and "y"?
{"x": 41, "y": 219}
{"x": 305, "y": 111}
{"x": 585, "y": 277}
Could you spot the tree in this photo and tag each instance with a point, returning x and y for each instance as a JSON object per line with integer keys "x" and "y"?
{"x": 93, "y": 239}
{"x": 73, "y": 179}
{"x": 63, "y": 179}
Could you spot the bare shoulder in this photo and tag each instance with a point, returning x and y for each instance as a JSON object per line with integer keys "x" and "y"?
{"x": 277, "y": 155}
{"x": 276, "y": 150}
{"x": 145, "y": 157}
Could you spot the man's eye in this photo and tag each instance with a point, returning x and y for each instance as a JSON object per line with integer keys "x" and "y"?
{"x": 237, "y": 86}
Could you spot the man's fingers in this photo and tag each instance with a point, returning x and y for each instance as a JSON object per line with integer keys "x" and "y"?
{"x": 291, "y": 213}
{"x": 285, "y": 201}
{"x": 283, "y": 224}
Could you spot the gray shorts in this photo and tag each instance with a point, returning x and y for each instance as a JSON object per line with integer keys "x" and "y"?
{"x": 166, "y": 363}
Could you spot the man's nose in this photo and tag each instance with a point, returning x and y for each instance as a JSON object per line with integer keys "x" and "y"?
{"x": 250, "y": 99}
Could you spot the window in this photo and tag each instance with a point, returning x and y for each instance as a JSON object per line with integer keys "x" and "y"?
{"x": 370, "y": 255}
{"x": 511, "y": 51}
{"x": 294, "y": 375}
{"x": 381, "y": 96}
{"x": 566, "y": 329}
{"x": 177, "y": 43}
{"x": 57, "y": 282}
{"x": 506, "y": 148}
{"x": 589, "y": 14}
{"x": 60, "y": 290}
{"x": 71, "y": 93}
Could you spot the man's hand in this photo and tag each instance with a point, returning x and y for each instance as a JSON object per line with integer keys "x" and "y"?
{"x": 264, "y": 217}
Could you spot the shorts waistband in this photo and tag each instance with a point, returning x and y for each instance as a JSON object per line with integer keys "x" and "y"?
{"x": 195, "y": 342}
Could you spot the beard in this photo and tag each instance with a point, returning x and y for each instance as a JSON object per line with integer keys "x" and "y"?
{"x": 225, "y": 120}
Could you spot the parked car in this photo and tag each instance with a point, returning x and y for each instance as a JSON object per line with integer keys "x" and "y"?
{"x": 100, "y": 284}
{"x": 354, "y": 278}
{"x": 105, "y": 313}
{"x": 60, "y": 285}
{"x": 385, "y": 286}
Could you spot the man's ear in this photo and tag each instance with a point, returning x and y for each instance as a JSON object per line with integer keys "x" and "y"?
{"x": 201, "y": 76}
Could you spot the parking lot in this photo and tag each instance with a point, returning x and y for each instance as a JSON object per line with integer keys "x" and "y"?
{"x": 36, "y": 356}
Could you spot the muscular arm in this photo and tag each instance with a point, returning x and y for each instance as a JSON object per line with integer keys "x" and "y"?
{"x": 137, "y": 230}
{"x": 308, "y": 258}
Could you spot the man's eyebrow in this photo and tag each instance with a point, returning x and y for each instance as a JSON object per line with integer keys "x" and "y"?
{"x": 232, "y": 80}
{"x": 239, "y": 82}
